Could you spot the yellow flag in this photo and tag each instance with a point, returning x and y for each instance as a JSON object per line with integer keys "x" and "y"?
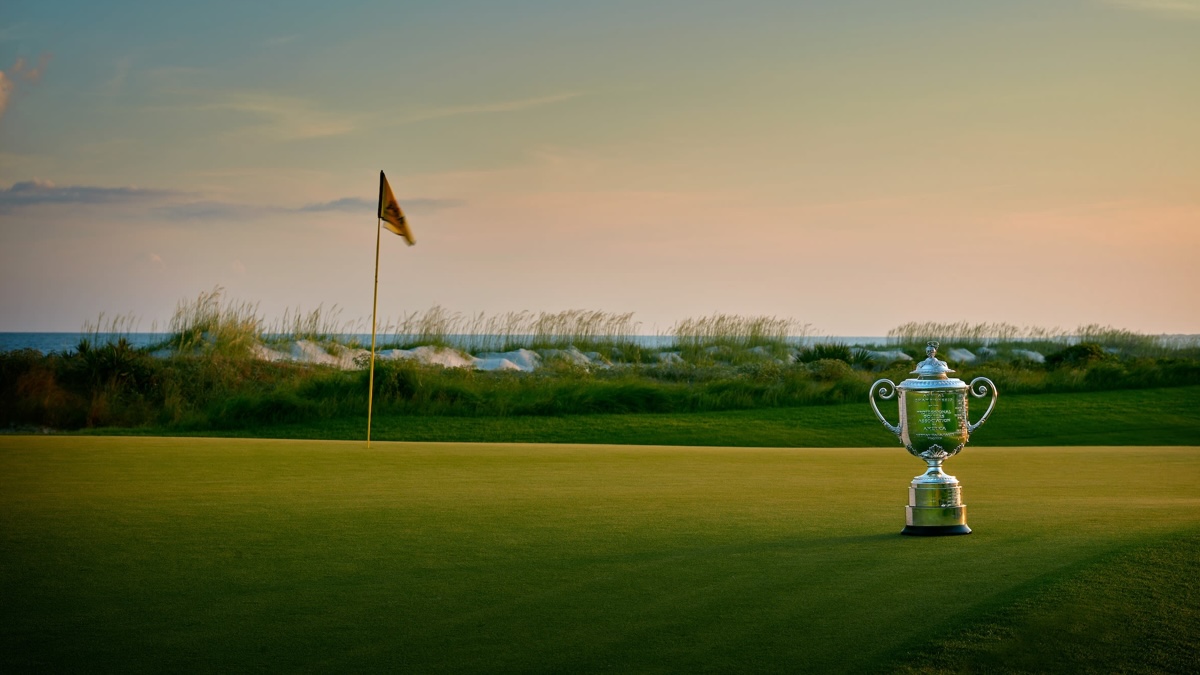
{"x": 389, "y": 211}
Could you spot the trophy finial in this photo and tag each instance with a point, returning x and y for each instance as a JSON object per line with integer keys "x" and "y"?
{"x": 932, "y": 366}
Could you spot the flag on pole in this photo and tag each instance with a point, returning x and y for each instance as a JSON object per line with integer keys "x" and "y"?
{"x": 390, "y": 213}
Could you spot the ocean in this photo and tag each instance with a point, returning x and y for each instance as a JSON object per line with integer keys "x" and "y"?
{"x": 67, "y": 342}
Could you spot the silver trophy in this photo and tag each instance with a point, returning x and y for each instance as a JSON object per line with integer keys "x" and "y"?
{"x": 934, "y": 427}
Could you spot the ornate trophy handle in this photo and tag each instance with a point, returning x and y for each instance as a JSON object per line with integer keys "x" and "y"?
{"x": 887, "y": 390}
{"x": 985, "y": 385}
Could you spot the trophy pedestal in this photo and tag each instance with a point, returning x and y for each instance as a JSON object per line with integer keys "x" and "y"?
{"x": 935, "y": 506}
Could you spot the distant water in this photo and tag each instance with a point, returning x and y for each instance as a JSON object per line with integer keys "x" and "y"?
{"x": 66, "y": 342}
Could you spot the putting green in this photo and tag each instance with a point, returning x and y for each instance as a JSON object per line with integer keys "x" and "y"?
{"x": 153, "y": 554}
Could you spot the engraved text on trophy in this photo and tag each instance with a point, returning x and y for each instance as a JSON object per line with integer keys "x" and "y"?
{"x": 935, "y": 418}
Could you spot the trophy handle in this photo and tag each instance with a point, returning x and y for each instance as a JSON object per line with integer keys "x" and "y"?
{"x": 985, "y": 385}
{"x": 887, "y": 390}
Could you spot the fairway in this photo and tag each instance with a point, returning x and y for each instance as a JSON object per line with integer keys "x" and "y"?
{"x": 157, "y": 554}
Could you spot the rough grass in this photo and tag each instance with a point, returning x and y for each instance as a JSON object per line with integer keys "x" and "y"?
{"x": 153, "y": 555}
{"x": 1137, "y": 417}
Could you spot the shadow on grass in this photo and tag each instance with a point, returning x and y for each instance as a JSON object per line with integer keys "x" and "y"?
{"x": 1135, "y": 610}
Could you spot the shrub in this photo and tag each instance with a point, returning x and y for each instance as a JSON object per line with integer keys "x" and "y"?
{"x": 280, "y": 407}
{"x": 763, "y": 371}
{"x": 824, "y": 352}
{"x": 830, "y": 370}
{"x": 117, "y": 365}
{"x": 1107, "y": 375}
{"x": 395, "y": 380}
{"x": 1179, "y": 372}
{"x": 1077, "y": 356}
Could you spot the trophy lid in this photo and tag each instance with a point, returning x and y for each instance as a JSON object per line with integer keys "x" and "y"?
{"x": 932, "y": 373}
{"x": 932, "y": 368}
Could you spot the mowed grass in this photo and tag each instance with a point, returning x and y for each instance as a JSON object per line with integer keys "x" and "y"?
{"x": 153, "y": 554}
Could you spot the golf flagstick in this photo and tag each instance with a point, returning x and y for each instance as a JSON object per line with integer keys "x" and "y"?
{"x": 374, "y": 311}
{"x": 388, "y": 212}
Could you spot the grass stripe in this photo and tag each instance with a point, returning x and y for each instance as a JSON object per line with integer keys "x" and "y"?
{"x": 1134, "y": 611}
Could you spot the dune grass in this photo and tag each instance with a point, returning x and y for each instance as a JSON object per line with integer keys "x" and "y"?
{"x": 966, "y": 334}
{"x": 320, "y": 325}
{"x": 214, "y": 323}
{"x": 153, "y": 555}
{"x": 735, "y": 338}
{"x": 477, "y": 333}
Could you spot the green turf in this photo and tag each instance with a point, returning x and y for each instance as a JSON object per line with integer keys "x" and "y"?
{"x": 1137, "y": 611}
{"x": 1129, "y": 417}
{"x": 155, "y": 554}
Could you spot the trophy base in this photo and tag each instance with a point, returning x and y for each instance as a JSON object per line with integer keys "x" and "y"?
{"x": 935, "y": 530}
{"x": 935, "y": 507}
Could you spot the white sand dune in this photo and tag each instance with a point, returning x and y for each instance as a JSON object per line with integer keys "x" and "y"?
{"x": 889, "y": 357}
{"x": 1029, "y": 355}
{"x": 430, "y": 355}
{"x": 574, "y": 357}
{"x": 526, "y": 360}
{"x": 306, "y": 351}
{"x": 521, "y": 359}
{"x": 961, "y": 355}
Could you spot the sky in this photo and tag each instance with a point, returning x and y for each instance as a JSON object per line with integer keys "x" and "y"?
{"x": 854, "y": 165}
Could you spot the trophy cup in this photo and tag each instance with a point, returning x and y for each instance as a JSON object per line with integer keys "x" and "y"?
{"x": 934, "y": 427}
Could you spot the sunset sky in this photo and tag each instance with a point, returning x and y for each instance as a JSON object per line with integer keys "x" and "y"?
{"x": 852, "y": 164}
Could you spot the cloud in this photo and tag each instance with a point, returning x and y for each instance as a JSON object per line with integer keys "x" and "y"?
{"x": 353, "y": 204}
{"x": 343, "y": 204}
{"x": 214, "y": 210}
{"x": 280, "y": 118}
{"x": 6, "y": 88}
{"x": 184, "y": 206}
{"x": 277, "y": 117}
{"x": 479, "y": 108}
{"x": 263, "y": 115}
{"x": 20, "y": 72}
{"x": 37, "y": 192}
{"x": 116, "y": 83}
{"x": 218, "y": 210}
{"x": 1184, "y": 8}
{"x": 150, "y": 261}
